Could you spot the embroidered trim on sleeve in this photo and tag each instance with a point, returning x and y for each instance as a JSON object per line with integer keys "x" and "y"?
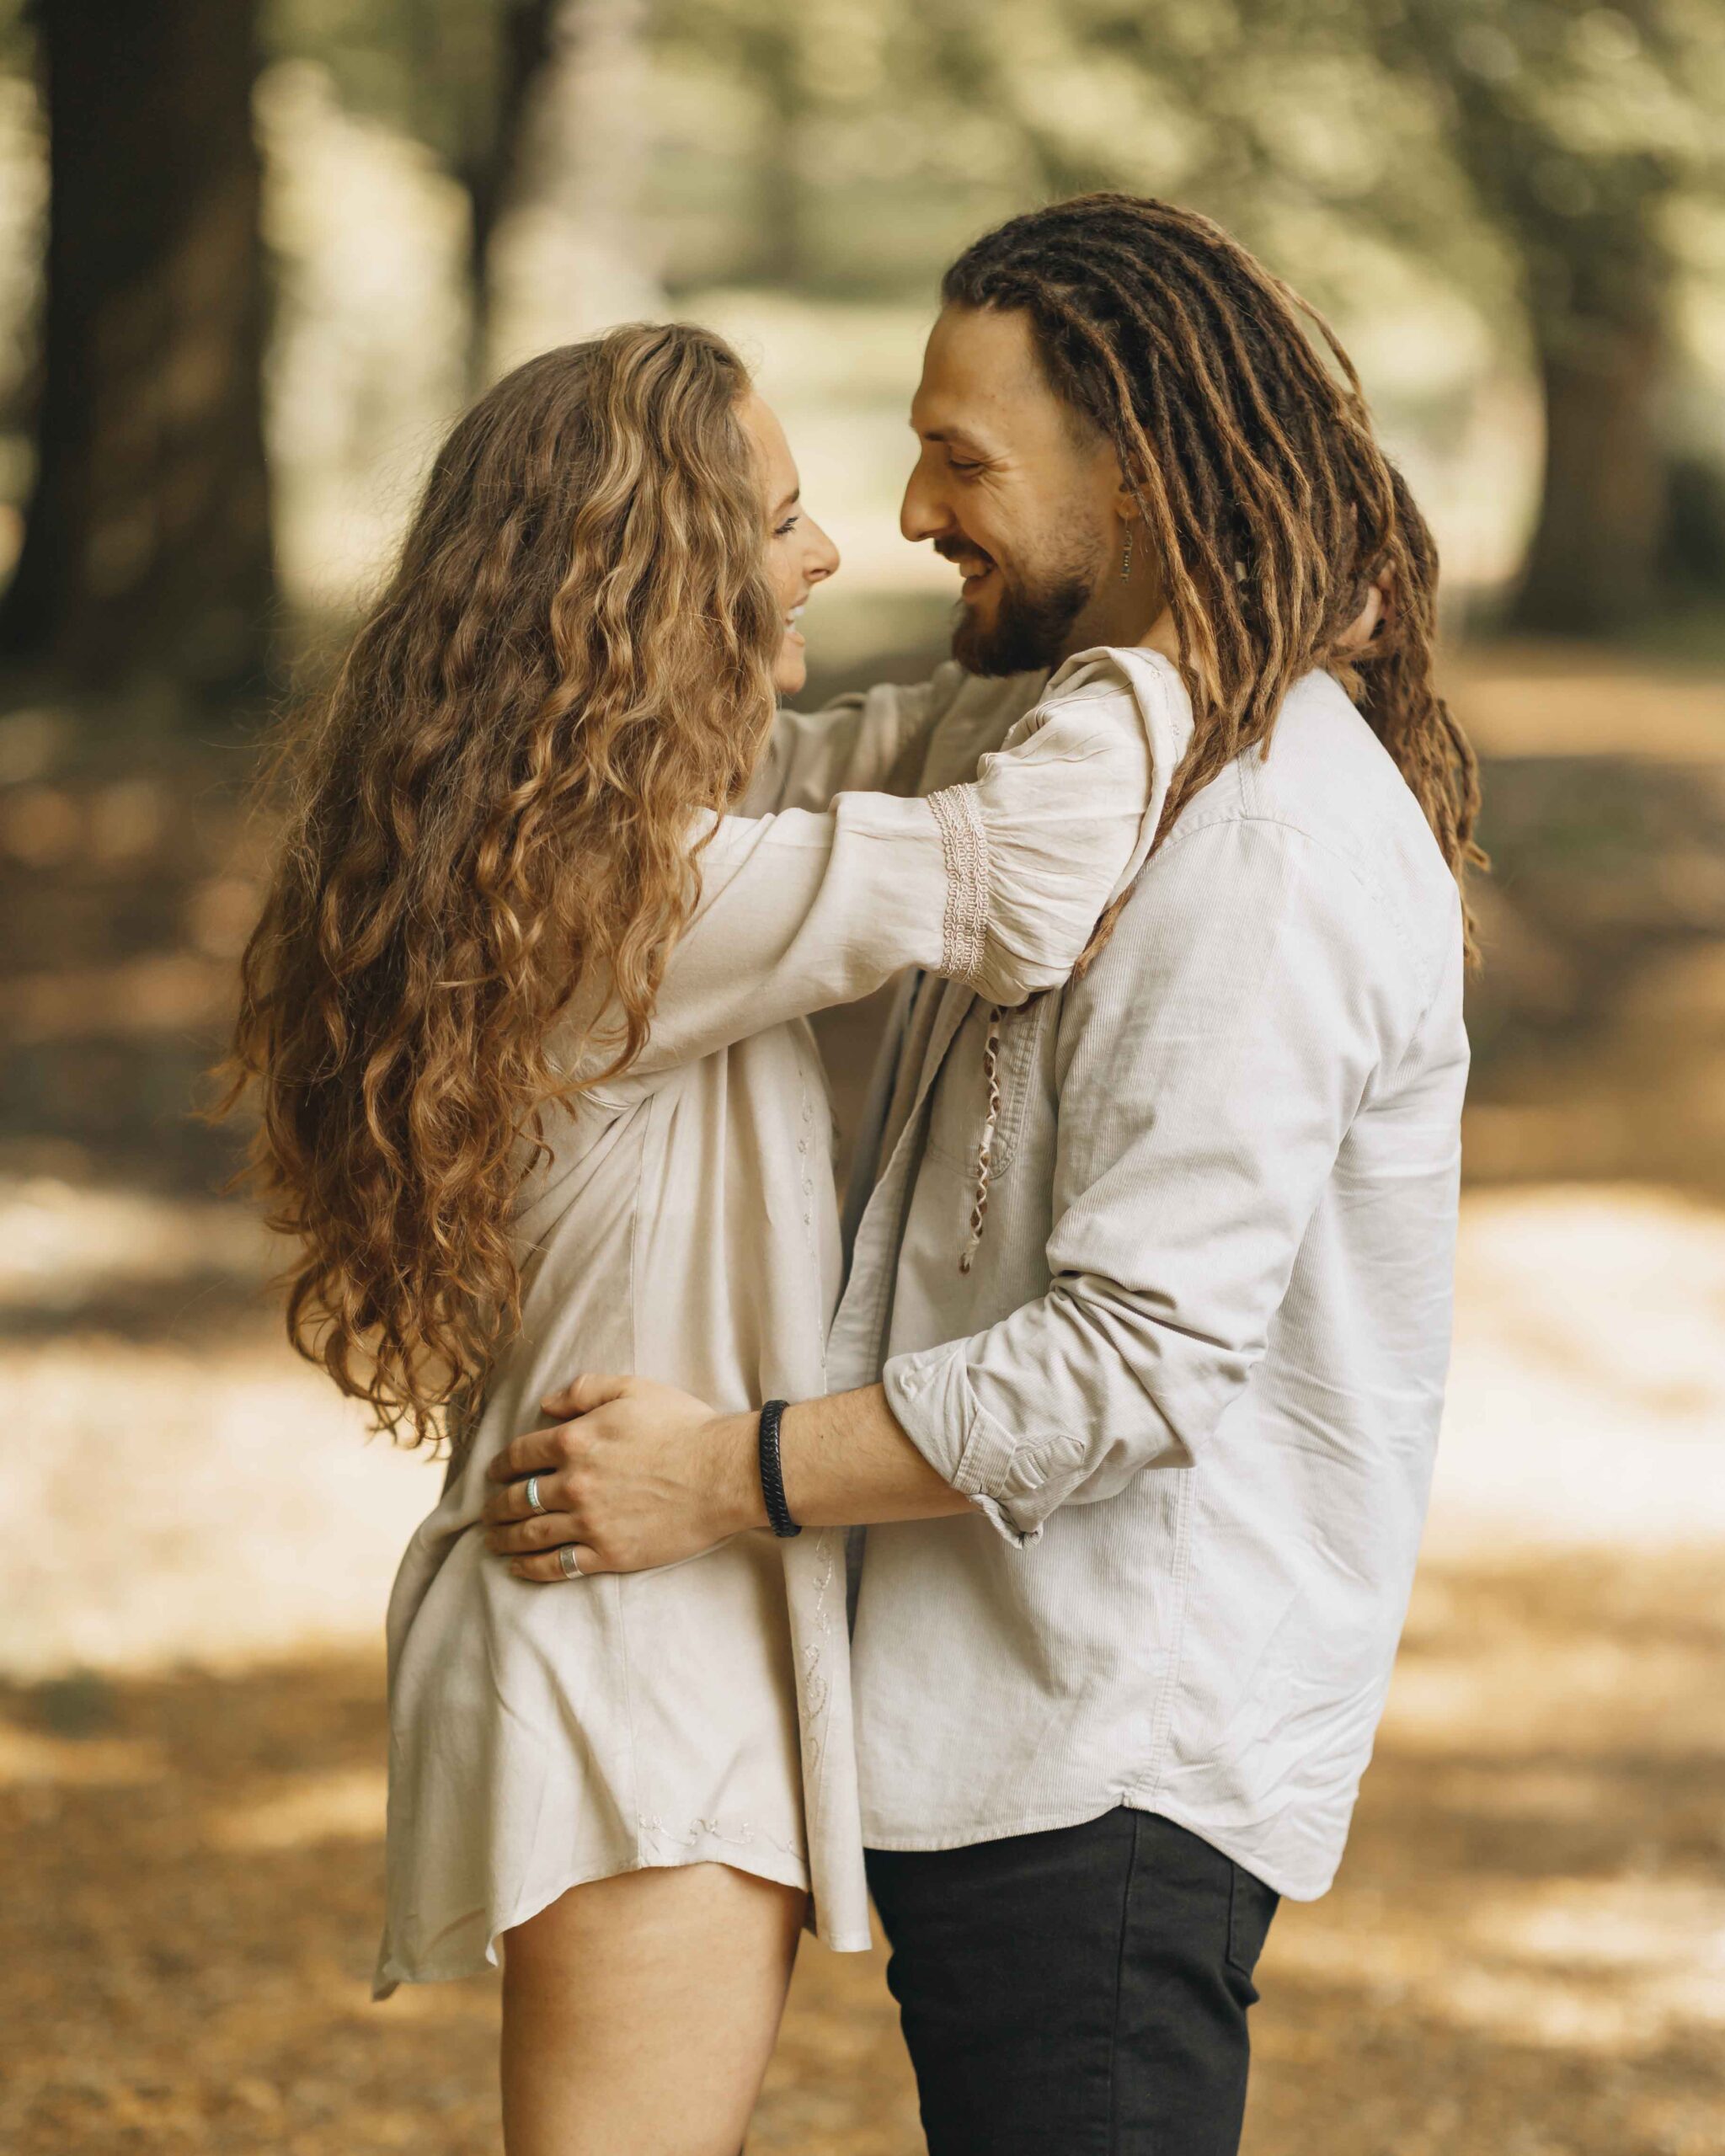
{"x": 963, "y": 846}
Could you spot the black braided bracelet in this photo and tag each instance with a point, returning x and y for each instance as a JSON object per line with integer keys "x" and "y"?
{"x": 772, "y": 1478}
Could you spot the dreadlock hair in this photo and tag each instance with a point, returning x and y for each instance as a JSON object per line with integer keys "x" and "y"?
{"x": 1271, "y": 507}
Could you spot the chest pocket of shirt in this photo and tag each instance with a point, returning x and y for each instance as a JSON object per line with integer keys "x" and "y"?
{"x": 958, "y": 1113}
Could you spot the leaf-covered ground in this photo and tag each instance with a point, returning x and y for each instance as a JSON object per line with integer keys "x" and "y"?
{"x": 1525, "y": 1956}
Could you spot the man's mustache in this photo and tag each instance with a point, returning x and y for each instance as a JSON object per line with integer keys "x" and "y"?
{"x": 956, "y": 550}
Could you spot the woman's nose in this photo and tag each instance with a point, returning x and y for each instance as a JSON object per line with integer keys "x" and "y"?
{"x": 823, "y": 556}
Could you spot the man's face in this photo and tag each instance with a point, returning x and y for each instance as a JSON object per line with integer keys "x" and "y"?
{"x": 1013, "y": 487}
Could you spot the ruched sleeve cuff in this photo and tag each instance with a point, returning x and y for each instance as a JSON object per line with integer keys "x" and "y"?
{"x": 1055, "y": 823}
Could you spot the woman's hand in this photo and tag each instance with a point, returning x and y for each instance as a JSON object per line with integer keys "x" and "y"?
{"x": 632, "y": 1475}
{"x": 1362, "y": 630}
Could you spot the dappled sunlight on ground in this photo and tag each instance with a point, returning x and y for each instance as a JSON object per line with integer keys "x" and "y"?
{"x": 1587, "y": 1395}
{"x": 1527, "y": 1948}
{"x": 1525, "y": 1956}
{"x": 1526, "y": 1951}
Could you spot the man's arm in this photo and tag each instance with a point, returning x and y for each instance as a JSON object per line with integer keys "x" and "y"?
{"x": 633, "y": 1474}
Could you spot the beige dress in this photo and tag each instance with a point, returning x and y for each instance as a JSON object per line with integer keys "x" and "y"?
{"x": 686, "y": 1230}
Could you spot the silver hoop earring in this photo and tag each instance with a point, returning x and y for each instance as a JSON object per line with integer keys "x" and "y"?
{"x": 1126, "y": 559}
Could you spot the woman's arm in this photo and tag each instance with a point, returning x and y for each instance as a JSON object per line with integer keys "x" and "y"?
{"x": 798, "y": 911}
{"x": 857, "y": 744}
{"x": 997, "y": 883}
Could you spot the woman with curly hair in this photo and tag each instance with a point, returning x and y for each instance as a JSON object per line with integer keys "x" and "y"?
{"x": 523, "y": 1019}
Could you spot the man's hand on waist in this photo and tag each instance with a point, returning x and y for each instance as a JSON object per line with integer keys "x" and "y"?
{"x": 631, "y": 1475}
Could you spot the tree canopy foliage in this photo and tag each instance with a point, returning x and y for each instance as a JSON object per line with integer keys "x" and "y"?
{"x": 1559, "y": 165}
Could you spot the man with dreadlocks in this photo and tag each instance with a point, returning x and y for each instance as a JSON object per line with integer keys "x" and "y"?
{"x": 1138, "y": 1373}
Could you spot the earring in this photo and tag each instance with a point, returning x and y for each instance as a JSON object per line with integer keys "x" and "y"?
{"x": 1126, "y": 559}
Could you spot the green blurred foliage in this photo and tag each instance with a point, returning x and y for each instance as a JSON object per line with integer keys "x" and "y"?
{"x": 1452, "y": 126}
{"x": 1550, "y": 169}
{"x": 432, "y": 68}
{"x": 1577, "y": 128}
{"x": 1582, "y": 133}
{"x": 1553, "y": 163}
{"x": 833, "y": 149}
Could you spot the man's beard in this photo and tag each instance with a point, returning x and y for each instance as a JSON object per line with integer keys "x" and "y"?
{"x": 1032, "y": 628}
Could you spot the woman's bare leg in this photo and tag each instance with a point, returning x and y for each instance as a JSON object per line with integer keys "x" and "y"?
{"x": 639, "y": 2013}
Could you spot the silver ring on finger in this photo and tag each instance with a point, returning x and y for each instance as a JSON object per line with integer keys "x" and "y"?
{"x": 566, "y": 1563}
{"x": 536, "y": 1504}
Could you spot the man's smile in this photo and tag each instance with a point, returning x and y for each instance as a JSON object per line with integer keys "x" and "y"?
{"x": 973, "y": 566}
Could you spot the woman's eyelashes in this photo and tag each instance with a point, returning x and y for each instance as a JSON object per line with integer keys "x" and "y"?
{"x": 788, "y": 526}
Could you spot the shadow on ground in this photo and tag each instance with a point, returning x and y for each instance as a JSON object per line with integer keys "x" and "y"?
{"x": 1522, "y": 1958}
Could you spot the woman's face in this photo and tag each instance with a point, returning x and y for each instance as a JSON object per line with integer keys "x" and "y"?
{"x": 800, "y": 555}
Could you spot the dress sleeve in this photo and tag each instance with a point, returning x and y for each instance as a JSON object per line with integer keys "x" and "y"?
{"x": 859, "y": 744}
{"x": 997, "y": 883}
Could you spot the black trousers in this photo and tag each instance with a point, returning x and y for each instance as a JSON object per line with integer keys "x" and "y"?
{"x": 1079, "y": 1992}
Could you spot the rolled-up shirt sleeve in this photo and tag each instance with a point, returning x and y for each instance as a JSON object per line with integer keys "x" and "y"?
{"x": 1210, "y": 1064}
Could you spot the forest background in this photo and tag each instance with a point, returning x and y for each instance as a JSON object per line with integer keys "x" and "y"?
{"x": 254, "y": 254}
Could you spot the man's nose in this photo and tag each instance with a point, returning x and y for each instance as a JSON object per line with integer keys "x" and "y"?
{"x": 923, "y": 514}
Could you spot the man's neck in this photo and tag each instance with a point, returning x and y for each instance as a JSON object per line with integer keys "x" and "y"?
{"x": 1117, "y": 613}
{"x": 1122, "y": 619}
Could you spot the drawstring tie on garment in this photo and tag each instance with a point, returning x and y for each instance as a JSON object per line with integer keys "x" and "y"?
{"x": 985, "y": 1151}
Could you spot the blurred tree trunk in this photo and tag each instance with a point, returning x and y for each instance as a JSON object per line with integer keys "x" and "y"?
{"x": 491, "y": 171}
{"x": 147, "y": 551}
{"x": 573, "y": 252}
{"x": 1582, "y": 205}
{"x": 1590, "y": 566}
{"x": 1597, "y": 275}
{"x": 779, "y": 256}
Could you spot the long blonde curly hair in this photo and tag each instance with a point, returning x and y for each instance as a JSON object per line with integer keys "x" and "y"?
{"x": 489, "y": 812}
